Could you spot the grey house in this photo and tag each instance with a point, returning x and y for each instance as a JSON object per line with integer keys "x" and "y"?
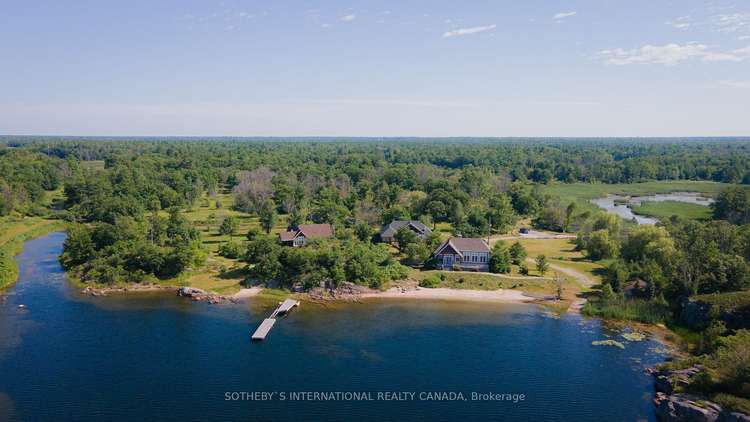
{"x": 468, "y": 254}
{"x": 388, "y": 233}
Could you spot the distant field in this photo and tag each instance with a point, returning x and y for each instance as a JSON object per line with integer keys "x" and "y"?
{"x": 582, "y": 193}
{"x": 666, "y": 209}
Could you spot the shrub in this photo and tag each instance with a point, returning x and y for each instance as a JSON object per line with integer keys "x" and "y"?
{"x": 429, "y": 282}
{"x": 231, "y": 249}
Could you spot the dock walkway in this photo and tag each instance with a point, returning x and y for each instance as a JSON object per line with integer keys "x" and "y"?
{"x": 265, "y": 327}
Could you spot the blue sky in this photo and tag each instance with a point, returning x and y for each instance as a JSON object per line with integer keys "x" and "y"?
{"x": 388, "y": 68}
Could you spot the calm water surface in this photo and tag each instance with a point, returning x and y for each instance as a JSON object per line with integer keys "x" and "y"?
{"x": 611, "y": 203}
{"x": 156, "y": 356}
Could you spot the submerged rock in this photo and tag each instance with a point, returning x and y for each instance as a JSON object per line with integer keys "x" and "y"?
{"x": 608, "y": 343}
{"x": 634, "y": 336}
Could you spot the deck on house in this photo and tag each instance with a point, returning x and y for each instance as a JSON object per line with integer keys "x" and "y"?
{"x": 267, "y": 324}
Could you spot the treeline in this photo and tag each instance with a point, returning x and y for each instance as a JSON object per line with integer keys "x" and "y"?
{"x": 24, "y": 177}
{"x": 543, "y": 160}
{"x": 476, "y": 187}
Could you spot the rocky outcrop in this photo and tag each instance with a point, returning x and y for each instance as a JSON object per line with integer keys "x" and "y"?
{"x": 682, "y": 407}
{"x": 204, "y": 296}
{"x": 105, "y": 291}
{"x": 190, "y": 292}
{"x": 687, "y": 408}
{"x": 346, "y": 292}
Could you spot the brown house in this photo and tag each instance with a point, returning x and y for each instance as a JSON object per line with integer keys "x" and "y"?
{"x": 300, "y": 236}
{"x": 467, "y": 254}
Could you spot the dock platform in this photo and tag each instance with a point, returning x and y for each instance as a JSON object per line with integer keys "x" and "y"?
{"x": 265, "y": 327}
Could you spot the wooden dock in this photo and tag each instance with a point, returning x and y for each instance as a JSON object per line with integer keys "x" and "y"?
{"x": 265, "y": 327}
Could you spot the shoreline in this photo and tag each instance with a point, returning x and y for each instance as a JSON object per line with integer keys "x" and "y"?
{"x": 14, "y": 245}
{"x": 443, "y": 293}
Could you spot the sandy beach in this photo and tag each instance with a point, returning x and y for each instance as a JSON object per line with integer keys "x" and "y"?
{"x": 246, "y": 293}
{"x": 500, "y": 295}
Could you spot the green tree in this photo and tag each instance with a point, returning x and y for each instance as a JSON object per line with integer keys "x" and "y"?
{"x": 229, "y": 227}
{"x": 733, "y": 205}
{"x": 600, "y": 246}
{"x": 500, "y": 258}
{"x": 363, "y": 231}
{"x": 267, "y": 215}
{"x": 518, "y": 253}
{"x": 569, "y": 211}
{"x": 405, "y": 236}
{"x": 210, "y": 221}
{"x": 617, "y": 276}
{"x": 262, "y": 253}
{"x": 542, "y": 265}
{"x": 78, "y": 247}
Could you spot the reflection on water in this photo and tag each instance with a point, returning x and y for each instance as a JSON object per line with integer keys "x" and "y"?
{"x": 620, "y": 205}
{"x": 157, "y": 356}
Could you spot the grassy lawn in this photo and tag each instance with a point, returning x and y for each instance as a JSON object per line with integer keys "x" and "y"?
{"x": 582, "y": 193}
{"x": 211, "y": 237}
{"x": 560, "y": 252}
{"x": 666, "y": 209}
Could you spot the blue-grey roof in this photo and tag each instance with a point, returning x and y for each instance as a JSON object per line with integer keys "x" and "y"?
{"x": 391, "y": 229}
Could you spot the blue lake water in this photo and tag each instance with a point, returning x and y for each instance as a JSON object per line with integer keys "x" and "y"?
{"x": 159, "y": 357}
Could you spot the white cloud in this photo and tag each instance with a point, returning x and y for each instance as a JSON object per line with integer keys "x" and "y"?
{"x": 563, "y": 15}
{"x": 683, "y": 22}
{"x": 735, "y": 84}
{"x": 468, "y": 31}
{"x": 734, "y": 22}
{"x": 671, "y": 54}
{"x": 348, "y": 18}
{"x": 736, "y": 55}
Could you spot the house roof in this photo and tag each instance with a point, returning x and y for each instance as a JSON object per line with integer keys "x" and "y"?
{"x": 464, "y": 244}
{"x": 391, "y": 229}
{"x": 313, "y": 231}
{"x": 310, "y": 231}
{"x": 288, "y": 236}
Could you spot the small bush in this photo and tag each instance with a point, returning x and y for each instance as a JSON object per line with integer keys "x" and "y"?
{"x": 231, "y": 250}
{"x": 430, "y": 282}
{"x": 737, "y": 404}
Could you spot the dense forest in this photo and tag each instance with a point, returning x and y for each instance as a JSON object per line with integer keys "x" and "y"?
{"x": 124, "y": 201}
